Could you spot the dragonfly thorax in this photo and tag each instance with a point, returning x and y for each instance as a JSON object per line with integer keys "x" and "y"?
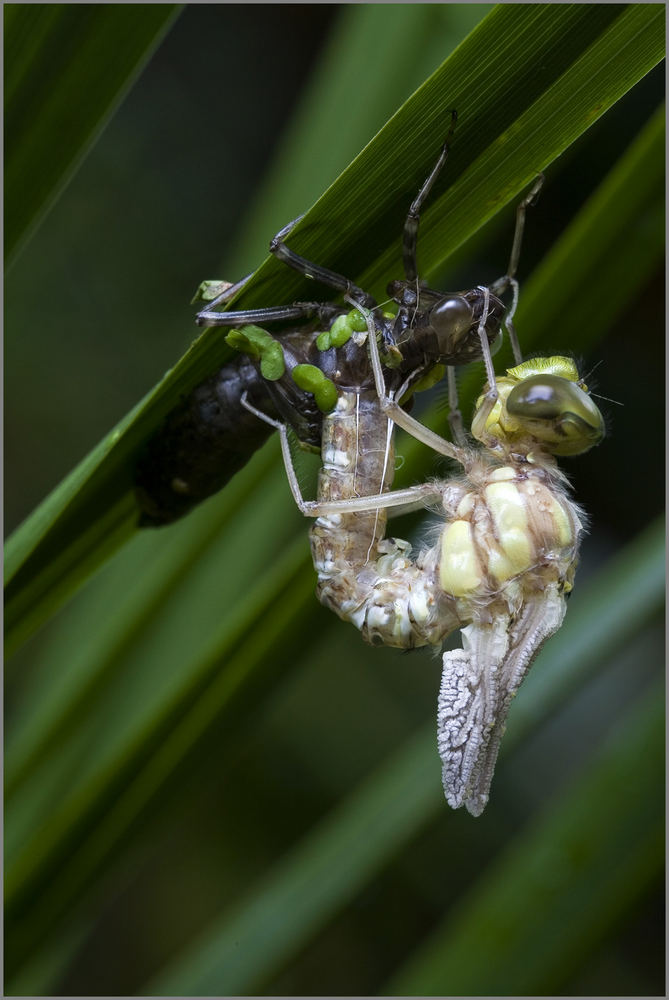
{"x": 517, "y": 528}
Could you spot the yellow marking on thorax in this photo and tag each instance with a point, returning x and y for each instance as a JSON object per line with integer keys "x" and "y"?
{"x": 459, "y": 570}
{"x": 507, "y": 508}
{"x": 526, "y": 520}
{"x": 502, "y": 474}
{"x": 562, "y": 523}
{"x": 550, "y": 523}
{"x": 466, "y": 505}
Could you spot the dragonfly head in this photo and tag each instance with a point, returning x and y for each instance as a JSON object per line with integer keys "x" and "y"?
{"x": 544, "y": 402}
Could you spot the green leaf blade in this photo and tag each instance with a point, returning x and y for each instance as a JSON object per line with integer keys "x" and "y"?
{"x": 67, "y": 69}
{"x": 501, "y": 145}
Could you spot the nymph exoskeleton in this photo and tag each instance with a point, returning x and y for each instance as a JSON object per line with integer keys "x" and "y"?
{"x": 209, "y": 437}
{"x": 504, "y": 561}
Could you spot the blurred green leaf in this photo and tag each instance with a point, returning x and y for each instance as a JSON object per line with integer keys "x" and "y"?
{"x": 309, "y": 159}
{"x": 588, "y": 56}
{"x": 606, "y": 255}
{"x": 354, "y": 842}
{"x": 563, "y": 882}
{"x": 67, "y": 68}
{"x": 189, "y": 632}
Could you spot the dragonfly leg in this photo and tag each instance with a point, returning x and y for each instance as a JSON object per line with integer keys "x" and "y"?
{"x": 302, "y": 504}
{"x": 491, "y": 394}
{"x": 508, "y": 280}
{"x": 298, "y": 310}
{"x": 454, "y": 414}
{"x": 310, "y": 270}
{"x": 410, "y": 234}
{"x": 394, "y": 411}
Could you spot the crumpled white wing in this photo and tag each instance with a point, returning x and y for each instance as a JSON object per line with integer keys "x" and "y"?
{"x": 478, "y": 683}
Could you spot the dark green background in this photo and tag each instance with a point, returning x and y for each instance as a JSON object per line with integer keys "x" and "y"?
{"x": 97, "y": 308}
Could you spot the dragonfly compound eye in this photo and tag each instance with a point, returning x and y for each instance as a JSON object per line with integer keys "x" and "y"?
{"x": 557, "y": 412}
{"x": 451, "y": 319}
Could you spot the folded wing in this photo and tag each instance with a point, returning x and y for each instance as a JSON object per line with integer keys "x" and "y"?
{"x": 478, "y": 683}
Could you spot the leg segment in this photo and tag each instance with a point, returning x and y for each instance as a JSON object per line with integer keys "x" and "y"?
{"x": 394, "y": 411}
{"x": 310, "y": 270}
{"x": 529, "y": 199}
{"x": 454, "y": 414}
{"x": 491, "y": 395}
{"x": 298, "y": 310}
{"x": 508, "y": 280}
{"x": 410, "y": 235}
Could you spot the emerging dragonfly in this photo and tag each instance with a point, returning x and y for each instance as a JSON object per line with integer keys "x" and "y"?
{"x": 506, "y": 554}
{"x": 507, "y": 551}
{"x": 209, "y": 438}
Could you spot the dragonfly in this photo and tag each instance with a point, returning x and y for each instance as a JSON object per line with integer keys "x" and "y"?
{"x": 207, "y": 439}
{"x": 504, "y": 561}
